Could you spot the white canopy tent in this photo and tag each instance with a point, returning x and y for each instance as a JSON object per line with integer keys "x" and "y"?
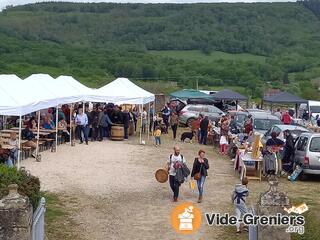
{"x": 83, "y": 92}
{"x": 123, "y": 91}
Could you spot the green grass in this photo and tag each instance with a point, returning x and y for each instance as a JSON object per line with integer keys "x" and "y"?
{"x": 57, "y": 219}
{"x": 195, "y": 55}
{"x": 312, "y": 219}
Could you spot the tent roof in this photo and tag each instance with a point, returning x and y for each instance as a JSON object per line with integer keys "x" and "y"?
{"x": 82, "y": 92}
{"x": 227, "y": 94}
{"x": 284, "y": 97}
{"x": 189, "y": 93}
{"x": 122, "y": 90}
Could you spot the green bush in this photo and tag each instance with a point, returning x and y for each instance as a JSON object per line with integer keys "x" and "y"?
{"x": 28, "y": 185}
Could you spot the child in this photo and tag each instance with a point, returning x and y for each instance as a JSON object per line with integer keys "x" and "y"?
{"x": 238, "y": 198}
{"x": 13, "y": 141}
{"x": 157, "y": 134}
{"x": 223, "y": 145}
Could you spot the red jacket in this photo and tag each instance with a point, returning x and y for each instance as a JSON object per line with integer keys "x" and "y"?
{"x": 286, "y": 118}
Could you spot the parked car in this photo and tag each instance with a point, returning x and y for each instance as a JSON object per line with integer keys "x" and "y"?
{"x": 262, "y": 121}
{"x": 296, "y": 131}
{"x": 201, "y": 101}
{"x": 191, "y": 112}
{"x": 257, "y": 110}
{"x": 307, "y": 153}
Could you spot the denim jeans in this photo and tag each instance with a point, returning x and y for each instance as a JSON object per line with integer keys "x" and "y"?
{"x": 83, "y": 129}
{"x": 204, "y": 134}
{"x": 9, "y": 162}
{"x": 158, "y": 140}
{"x": 174, "y": 186}
{"x": 200, "y": 184}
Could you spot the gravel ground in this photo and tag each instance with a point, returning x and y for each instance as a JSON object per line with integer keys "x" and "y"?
{"x": 115, "y": 194}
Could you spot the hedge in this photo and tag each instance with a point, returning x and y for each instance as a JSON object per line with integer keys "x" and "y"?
{"x": 28, "y": 185}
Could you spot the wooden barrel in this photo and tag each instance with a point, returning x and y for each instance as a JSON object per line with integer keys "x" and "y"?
{"x": 161, "y": 175}
{"x": 117, "y": 132}
{"x": 131, "y": 128}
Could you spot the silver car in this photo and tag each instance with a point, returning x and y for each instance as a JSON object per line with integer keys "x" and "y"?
{"x": 295, "y": 130}
{"x": 262, "y": 121}
{"x": 191, "y": 112}
{"x": 307, "y": 153}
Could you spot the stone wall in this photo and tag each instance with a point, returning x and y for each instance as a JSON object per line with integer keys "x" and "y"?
{"x": 15, "y": 216}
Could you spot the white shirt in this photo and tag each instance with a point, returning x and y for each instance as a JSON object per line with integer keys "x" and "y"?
{"x": 82, "y": 119}
{"x": 173, "y": 160}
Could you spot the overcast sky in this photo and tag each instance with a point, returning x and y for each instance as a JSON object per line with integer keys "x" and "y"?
{"x": 4, "y": 3}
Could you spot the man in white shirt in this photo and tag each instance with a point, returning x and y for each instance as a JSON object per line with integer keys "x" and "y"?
{"x": 82, "y": 123}
{"x": 172, "y": 161}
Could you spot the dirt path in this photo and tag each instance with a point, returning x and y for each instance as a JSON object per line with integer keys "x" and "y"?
{"x": 115, "y": 196}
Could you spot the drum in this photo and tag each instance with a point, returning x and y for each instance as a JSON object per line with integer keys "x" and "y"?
{"x": 161, "y": 175}
{"x": 117, "y": 132}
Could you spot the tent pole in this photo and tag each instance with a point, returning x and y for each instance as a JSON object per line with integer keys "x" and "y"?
{"x": 57, "y": 113}
{"x": 19, "y": 150}
{"x": 38, "y": 133}
{"x": 70, "y": 124}
{"x": 141, "y": 123}
{"x": 153, "y": 113}
{"x": 148, "y": 130}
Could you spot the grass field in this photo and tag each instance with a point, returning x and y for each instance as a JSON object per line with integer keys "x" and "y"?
{"x": 195, "y": 55}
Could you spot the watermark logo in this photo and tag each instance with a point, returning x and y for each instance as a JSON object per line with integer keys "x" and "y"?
{"x": 186, "y": 218}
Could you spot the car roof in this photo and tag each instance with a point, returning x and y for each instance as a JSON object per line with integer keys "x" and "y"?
{"x": 291, "y": 127}
{"x": 310, "y": 134}
{"x": 264, "y": 115}
{"x": 203, "y": 105}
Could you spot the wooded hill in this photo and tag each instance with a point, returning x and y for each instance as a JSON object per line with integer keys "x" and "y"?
{"x": 248, "y": 45}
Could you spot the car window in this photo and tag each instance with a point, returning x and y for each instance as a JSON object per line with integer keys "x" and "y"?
{"x": 240, "y": 118}
{"x": 315, "y": 144}
{"x": 302, "y": 144}
{"x": 205, "y": 109}
{"x": 194, "y": 108}
{"x": 277, "y": 130}
{"x": 214, "y": 110}
{"x": 264, "y": 124}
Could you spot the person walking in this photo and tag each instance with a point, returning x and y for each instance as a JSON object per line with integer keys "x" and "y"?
{"x": 94, "y": 115}
{"x": 174, "y": 121}
{"x": 204, "y": 130}
{"x": 165, "y": 116}
{"x": 103, "y": 122}
{"x": 157, "y": 136}
{"x": 174, "y": 160}
{"x": 238, "y": 198}
{"x": 82, "y": 122}
{"x": 199, "y": 172}
{"x": 126, "y": 123}
{"x": 144, "y": 117}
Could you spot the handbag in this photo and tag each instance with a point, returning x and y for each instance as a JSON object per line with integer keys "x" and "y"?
{"x": 197, "y": 176}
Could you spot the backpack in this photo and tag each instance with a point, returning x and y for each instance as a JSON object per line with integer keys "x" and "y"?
{"x": 182, "y": 172}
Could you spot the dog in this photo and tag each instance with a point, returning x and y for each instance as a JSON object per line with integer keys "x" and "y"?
{"x": 187, "y": 135}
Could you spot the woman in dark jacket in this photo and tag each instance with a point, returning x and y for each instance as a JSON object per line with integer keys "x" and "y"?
{"x": 200, "y": 165}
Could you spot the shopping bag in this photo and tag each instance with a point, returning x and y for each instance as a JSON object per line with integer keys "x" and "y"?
{"x": 192, "y": 184}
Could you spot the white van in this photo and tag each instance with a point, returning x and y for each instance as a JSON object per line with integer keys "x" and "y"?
{"x": 312, "y": 107}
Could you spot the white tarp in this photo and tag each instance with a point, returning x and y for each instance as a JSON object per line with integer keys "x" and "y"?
{"x": 83, "y": 92}
{"x": 60, "y": 90}
{"x": 18, "y": 98}
{"x": 123, "y": 91}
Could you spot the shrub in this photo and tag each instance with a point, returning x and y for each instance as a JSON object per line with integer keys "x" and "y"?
{"x": 28, "y": 185}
